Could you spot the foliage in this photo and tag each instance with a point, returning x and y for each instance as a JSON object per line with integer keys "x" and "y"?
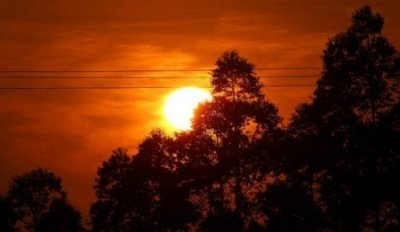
{"x": 39, "y": 203}
{"x": 7, "y": 216}
{"x": 359, "y": 82}
{"x": 356, "y": 153}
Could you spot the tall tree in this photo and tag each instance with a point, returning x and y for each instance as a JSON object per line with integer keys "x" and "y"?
{"x": 238, "y": 117}
{"x": 239, "y": 108}
{"x": 347, "y": 128}
{"x": 359, "y": 82}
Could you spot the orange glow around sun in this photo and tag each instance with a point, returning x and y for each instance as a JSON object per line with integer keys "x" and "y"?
{"x": 180, "y": 105}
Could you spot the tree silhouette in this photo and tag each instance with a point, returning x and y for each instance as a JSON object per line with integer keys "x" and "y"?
{"x": 237, "y": 117}
{"x": 239, "y": 109}
{"x": 7, "y": 216}
{"x": 40, "y": 204}
{"x": 107, "y": 214}
{"x": 359, "y": 83}
{"x": 143, "y": 192}
{"x": 62, "y": 217}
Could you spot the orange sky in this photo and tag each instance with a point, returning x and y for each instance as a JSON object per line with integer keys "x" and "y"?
{"x": 71, "y": 132}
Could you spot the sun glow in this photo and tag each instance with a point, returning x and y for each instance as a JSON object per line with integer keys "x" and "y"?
{"x": 180, "y": 105}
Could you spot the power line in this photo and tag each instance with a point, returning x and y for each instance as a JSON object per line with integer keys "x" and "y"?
{"x": 291, "y": 68}
{"x": 130, "y": 87}
{"x": 91, "y": 87}
{"x": 144, "y": 77}
{"x": 149, "y": 70}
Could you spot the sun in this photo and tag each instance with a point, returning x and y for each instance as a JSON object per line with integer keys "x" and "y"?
{"x": 180, "y": 105}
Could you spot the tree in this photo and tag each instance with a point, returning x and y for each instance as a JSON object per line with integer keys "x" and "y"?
{"x": 106, "y": 214}
{"x": 348, "y": 128}
{"x": 172, "y": 182}
{"x": 62, "y": 217}
{"x": 238, "y": 117}
{"x": 36, "y": 198}
{"x": 144, "y": 192}
{"x": 359, "y": 82}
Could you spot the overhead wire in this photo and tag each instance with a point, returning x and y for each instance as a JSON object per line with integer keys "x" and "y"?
{"x": 151, "y": 70}
{"x": 144, "y": 77}
{"x": 129, "y": 87}
{"x": 33, "y": 74}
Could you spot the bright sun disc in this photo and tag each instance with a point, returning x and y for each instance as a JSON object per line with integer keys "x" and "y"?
{"x": 180, "y": 106}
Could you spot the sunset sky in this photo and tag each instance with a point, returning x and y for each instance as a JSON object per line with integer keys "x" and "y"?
{"x": 71, "y": 132}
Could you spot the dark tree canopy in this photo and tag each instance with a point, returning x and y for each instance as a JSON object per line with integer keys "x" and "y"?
{"x": 359, "y": 82}
{"x": 234, "y": 79}
{"x": 105, "y": 212}
{"x": 141, "y": 192}
{"x": 40, "y": 204}
{"x": 347, "y": 130}
{"x": 239, "y": 108}
{"x": 7, "y": 216}
{"x": 62, "y": 217}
